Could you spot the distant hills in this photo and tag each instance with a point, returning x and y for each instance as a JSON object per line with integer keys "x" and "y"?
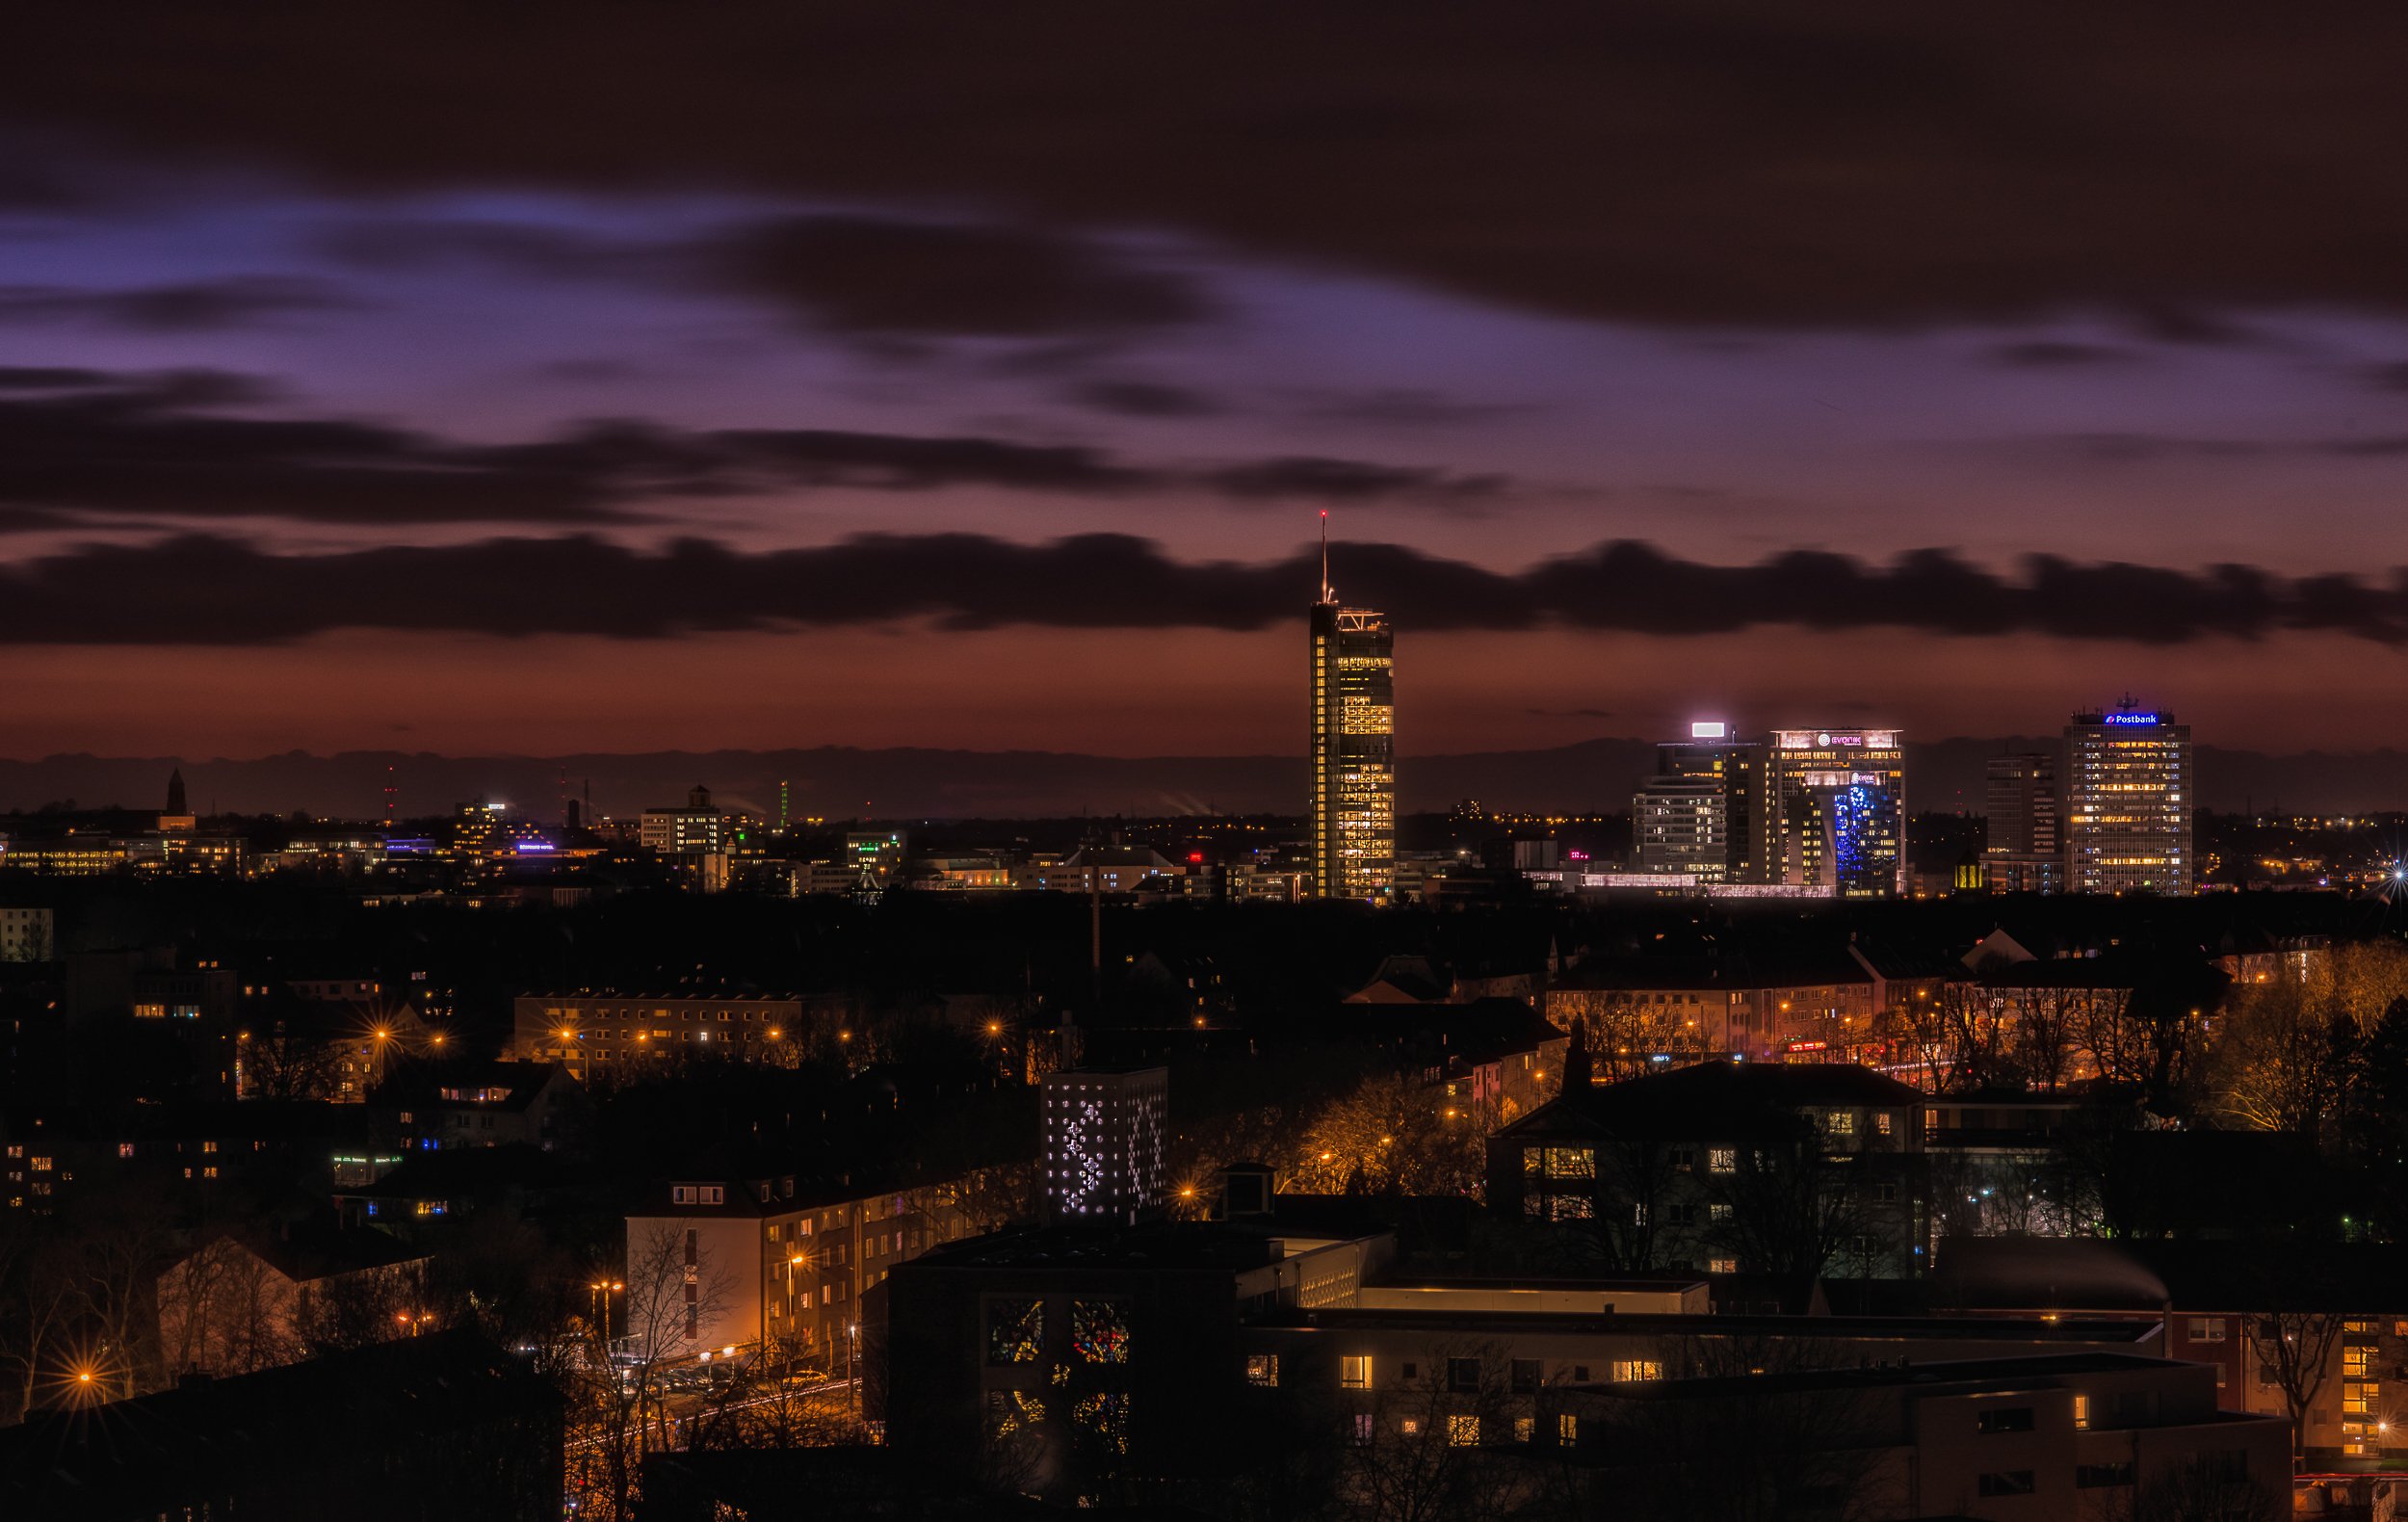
{"x": 841, "y": 781}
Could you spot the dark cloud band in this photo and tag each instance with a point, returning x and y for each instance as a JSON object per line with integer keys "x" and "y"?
{"x": 213, "y": 591}
{"x": 166, "y": 446}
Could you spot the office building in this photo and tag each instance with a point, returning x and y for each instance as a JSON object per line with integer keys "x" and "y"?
{"x": 2128, "y": 803}
{"x": 1831, "y": 812}
{"x": 697, "y": 829}
{"x": 1103, "y": 1158}
{"x": 2025, "y": 849}
{"x": 1352, "y": 754}
{"x": 1697, "y": 815}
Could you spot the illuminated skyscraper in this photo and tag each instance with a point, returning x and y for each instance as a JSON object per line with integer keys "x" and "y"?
{"x": 2128, "y": 803}
{"x": 1833, "y": 812}
{"x": 2025, "y": 849}
{"x": 1353, "y": 748}
{"x": 1695, "y": 815}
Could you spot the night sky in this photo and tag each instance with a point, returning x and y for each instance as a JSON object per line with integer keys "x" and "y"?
{"x": 623, "y": 377}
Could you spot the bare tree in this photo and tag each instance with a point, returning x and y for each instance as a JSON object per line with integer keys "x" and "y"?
{"x": 1428, "y": 1449}
{"x": 621, "y": 1402}
{"x": 2295, "y": 1347}
{"x": 1789, "y": 1206}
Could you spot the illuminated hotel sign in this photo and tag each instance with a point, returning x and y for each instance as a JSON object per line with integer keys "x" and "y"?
{"x": 1822, "y": 739}
{"x": 2128, "y": 718}
{"x": 1709, "y": 731}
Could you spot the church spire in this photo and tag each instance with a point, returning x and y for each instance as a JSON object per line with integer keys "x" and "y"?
{"x": 175, "y": 791}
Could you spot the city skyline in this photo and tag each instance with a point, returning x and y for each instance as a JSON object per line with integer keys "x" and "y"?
{"x": 321, "y": 441}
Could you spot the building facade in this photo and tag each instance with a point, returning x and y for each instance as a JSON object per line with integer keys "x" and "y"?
{"x": 26, "y": 936}
{"x": 2128, "y": 804}
{"x": 1832, "y": 812}
{"x": 589, "y": 1033}
{"x": 1104, "y": 1142}
{"x": 699, "y": 829}
{"x": 1352, "y": 752}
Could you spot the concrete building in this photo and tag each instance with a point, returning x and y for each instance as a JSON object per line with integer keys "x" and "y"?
{"x": 1104, "y": 1132}
{"x": 590, "y": 1034}
{"x": 1704, "y": 1168}
{"x": 770, "y": 1269}
{"x": 2025, "y": 852}
{"x": 2129, "y": 800}
{"x": 1830, "y": 811}
{"x": 697, "y": 829}
{"x": 27, "y": 936}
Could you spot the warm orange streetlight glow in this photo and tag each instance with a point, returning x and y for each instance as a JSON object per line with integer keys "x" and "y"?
{"x": 83, "y": 1377}
{"x": 994, "y": 1027}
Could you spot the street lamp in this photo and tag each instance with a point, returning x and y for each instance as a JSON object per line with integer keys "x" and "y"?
{"x": 602, "y": 1288}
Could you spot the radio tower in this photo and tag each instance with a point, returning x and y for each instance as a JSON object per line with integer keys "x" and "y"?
{"x": 390, "y": 793}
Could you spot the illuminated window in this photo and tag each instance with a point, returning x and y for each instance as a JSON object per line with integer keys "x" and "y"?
{"x": 1525, "y": 1428}
{"x": 1354, "y": 1372}
{"x": 1722, "y": 1264}
{"x": 1463, "y": 1431}
{"x": 2081, "y": 1410}
{"x": 1410, "y": 1427}
{"x": 1722, "y": 1160}
{"x": 1366, "y": 1427}
{"x": 1099, "y": 1332}
{"x": 1638, "y": 1369}
{"x": 1262, "y": 1368}
{"x": 1015, "y": 1330}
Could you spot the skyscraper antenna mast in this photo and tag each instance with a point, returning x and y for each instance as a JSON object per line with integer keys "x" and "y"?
{"x": 1325, "y": 598}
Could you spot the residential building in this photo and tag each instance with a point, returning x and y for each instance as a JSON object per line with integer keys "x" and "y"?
{"x": 239, "y": 1304}
{"x": 2129, "y": 800}
{"x": 770, "y": 1269}
{"x": 438, "y": 1106}
{"x": 595, "y": 1033}
{"x": 1352, "y": 754}
{"x": 1730, "y": 1167}
{"x": 26, "y": 934}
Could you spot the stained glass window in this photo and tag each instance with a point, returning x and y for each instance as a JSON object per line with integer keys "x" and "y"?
{"x": 1099, "y": 1332}
{"x": 1105, "y": 1418}
{"x": 1010, "y": 1411}
{"x": 1015, "y": 1330}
